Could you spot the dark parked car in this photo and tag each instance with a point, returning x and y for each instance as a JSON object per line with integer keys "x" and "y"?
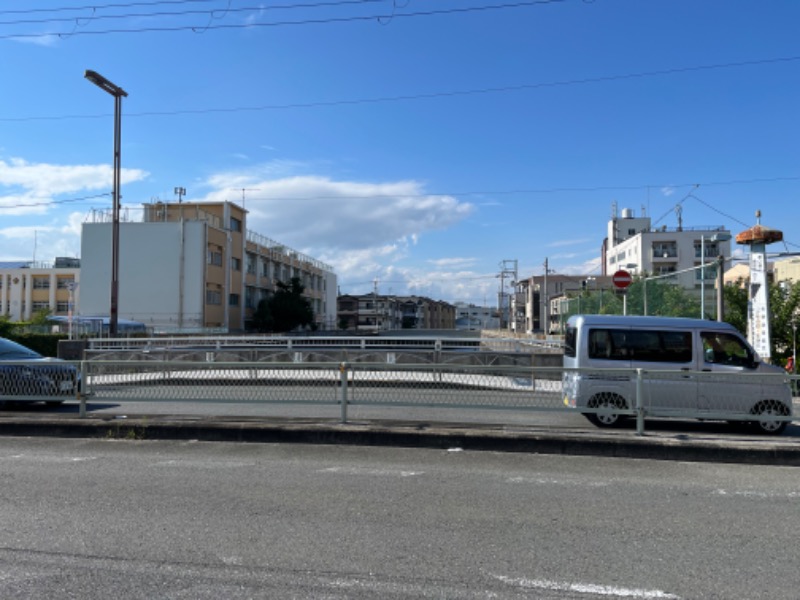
{"x": 29, "y": 376}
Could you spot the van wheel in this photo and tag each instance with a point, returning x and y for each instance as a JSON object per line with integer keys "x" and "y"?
{"x": 765, "y": 410}
{"x": 606, "y": 405}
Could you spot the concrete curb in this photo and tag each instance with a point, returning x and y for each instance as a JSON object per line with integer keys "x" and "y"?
{"x": 759, "y": 451}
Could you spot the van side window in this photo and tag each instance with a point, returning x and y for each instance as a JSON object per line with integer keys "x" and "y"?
{"x": 608, "y": 344}
{"x": 725, "y": 349}
{"x": 677, "y": 346}
{"x": 641, "y": 345}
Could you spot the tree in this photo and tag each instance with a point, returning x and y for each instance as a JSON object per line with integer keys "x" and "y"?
{"x": 784, "y": 305}
{"x": 286, "y": 310}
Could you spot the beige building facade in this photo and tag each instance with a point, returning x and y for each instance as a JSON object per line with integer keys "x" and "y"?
{"x": 27, "y": 288}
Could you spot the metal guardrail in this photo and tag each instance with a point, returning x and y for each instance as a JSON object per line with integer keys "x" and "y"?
{"x": 644, "y": 393}
{"x": 100, "y": 345}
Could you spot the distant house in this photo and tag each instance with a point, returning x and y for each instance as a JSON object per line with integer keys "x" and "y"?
{"x": 375, "y": 313}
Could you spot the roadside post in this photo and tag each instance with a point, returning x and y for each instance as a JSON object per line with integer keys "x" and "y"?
{"x": 621, "y": 280}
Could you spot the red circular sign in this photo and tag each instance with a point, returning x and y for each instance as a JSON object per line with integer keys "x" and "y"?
{"x": 621, "y": 279}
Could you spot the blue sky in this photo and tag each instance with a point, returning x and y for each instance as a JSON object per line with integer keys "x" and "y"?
{"x": 422, "y": 148}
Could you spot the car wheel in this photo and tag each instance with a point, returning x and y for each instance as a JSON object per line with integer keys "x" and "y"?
{"x": 767, "y": 410}
{"x": 606, "y": 406}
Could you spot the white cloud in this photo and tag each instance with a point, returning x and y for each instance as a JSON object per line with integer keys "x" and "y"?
{"x": 562, "y": 243}
{"x": 46, "y": 39}
{"x": 32, "y": 190}
{"x": 324, "y": 215}
{"x": 453, "y": 262}
{"x": 27, "y": 188}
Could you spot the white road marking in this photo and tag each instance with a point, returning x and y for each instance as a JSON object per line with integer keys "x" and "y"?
{"x": 372, "y": 472}
{"x": 204, "y": 464}
{"x": 548, "y": 481}
{"x": 587, "y": 588}
{"x": 48, "y": 458}
{"x": 757, "y": 494}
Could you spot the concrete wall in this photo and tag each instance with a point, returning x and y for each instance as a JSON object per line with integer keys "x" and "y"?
{"x": 155, "y": 287}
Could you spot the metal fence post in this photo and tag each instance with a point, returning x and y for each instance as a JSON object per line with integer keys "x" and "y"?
{"x": 639, "y": 404}
{"x": 343, "y": 368}
{"x": 83, "y": 383}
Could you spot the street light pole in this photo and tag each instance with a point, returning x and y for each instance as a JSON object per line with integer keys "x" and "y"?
{"x": 118, "y": 93}
{"x": 716, "y": 238}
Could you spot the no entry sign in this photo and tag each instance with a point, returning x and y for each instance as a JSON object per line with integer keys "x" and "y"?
{"x": 621, "y": 279}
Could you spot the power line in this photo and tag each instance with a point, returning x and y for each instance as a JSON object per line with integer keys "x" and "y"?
{"x": 209, "y": 12}
{"x": 427, "y": 96}
{"x": 553, "y": 190}
{"x": 53, "y": 202}
{"x": 321, "y": 21}
{"x": 27, "y": 11}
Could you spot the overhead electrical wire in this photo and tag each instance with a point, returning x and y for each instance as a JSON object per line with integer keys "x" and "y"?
{"x": 211, "y": 11}
{"x": 26, "y": 11}
{"x": 426, "y": 96}
{"x": 321, "y": 21}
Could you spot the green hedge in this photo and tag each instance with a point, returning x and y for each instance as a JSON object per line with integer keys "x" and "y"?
{"x": 43, "y": 343}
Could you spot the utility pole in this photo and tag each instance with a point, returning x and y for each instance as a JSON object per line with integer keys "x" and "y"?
{"x": 507, "y": 267}
{"x": 544, "y": 314}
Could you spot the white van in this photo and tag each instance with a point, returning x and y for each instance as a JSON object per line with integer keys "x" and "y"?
{"x": 689, "y": 369}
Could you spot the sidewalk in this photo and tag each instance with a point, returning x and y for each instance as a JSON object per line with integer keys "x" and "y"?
{"x": 695, "y": 445}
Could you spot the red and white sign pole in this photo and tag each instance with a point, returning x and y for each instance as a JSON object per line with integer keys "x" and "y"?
{"x": 622, "y": 279}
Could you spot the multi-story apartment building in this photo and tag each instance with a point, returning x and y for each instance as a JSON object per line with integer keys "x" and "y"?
{"x": 375, "y": 312}
{"x": 27, "y": 288}
{"x": 632, "y": 244}
{"x": 195, "y": 267}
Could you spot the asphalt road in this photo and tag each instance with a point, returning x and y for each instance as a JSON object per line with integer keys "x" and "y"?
{"x": 511, "y": 419}
{"x": 153, "y": 519}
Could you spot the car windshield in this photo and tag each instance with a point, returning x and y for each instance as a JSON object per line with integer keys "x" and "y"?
{"x": 13, "y": 351}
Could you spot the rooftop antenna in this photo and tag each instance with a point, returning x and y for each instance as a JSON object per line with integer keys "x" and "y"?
{"x": 180, "y": 192}
{"x": 244, "y": 190}
{"x": 679, "y": 212}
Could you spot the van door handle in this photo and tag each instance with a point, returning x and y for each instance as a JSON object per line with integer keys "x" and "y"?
{"x": 706, "y": 370}
{"x": 686, "y": 370}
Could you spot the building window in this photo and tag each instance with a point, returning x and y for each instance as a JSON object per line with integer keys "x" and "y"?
{"x": 213, "y": 297}
{"x": 214, "y": 257}
{"x": 64, "y": 283}
{"x": 62, "y": 307}
{"x": 36, "y": 306}
{"x": 233, "y": 300}
{"x": 236, "y": 224}
{"x": 251, "y": 264}
{"x": 665, "y": 250}
{"x": 236, "y": 263}
{"x": 41, "y": 283}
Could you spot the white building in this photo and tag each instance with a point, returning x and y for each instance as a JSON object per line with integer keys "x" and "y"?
{"x": 635, "y": 246}
{"x": 27, "y": 288}
{"x": 470, "y": 317}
